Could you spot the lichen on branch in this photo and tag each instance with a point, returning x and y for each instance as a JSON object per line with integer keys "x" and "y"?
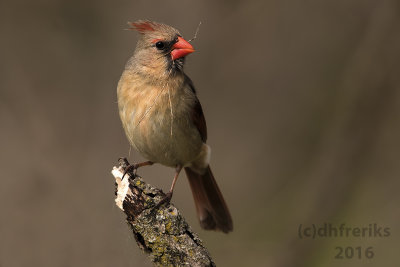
{"x": 160, "y": 231}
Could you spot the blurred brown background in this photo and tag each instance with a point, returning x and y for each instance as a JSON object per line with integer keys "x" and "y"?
{"x": 302, "y": 100}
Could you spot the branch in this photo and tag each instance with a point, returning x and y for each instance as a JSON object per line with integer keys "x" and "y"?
{"x": 160, "y": 231}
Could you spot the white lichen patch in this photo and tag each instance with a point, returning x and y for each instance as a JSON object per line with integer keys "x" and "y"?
{"x": 123, "y": 186}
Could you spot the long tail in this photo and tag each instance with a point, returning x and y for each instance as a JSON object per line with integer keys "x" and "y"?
{"x": 210, "y": 204}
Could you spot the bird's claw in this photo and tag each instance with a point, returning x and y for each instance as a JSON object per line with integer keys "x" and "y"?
{"x": 123, "y": 162}
{"x": 131, "y": 169}
{"x": 164, "y": 200}
{"x": 126, "y": 166}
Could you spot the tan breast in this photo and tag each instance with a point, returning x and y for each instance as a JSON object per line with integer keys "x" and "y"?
{"x": 157, "y": 118}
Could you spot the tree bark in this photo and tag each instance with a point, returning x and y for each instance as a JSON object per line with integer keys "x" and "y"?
{"x": 160, "y": 231}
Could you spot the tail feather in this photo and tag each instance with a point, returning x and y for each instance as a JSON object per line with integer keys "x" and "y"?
{"x": 212, "y": 210}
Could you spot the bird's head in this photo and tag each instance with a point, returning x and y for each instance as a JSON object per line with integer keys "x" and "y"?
{"x": 160, "y": 47}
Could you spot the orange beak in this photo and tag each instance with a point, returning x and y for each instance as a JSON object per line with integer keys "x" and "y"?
{"x": 181, "y": 49}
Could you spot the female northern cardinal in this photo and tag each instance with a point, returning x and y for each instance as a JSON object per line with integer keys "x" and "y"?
{"x": 163, "y": 118}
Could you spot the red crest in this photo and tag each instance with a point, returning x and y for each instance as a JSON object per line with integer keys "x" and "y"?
{"x": 142, "y": 26}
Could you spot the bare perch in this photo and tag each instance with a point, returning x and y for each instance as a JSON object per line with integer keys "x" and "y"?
{"x": 161, "y": 232}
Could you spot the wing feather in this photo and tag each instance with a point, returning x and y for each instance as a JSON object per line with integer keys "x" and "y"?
{"x": 197, "y": 113}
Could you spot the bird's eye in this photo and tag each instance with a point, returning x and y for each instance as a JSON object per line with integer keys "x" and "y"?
{"x": 160, "y": 45}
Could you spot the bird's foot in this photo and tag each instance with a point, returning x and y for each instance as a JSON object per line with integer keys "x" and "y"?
{"x": 165, "y": 200}
{"x": 128, "y": 168}
{"x": 131, "y": 168}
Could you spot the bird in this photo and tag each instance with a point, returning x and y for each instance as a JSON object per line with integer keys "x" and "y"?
{"x": 164, "y": 120}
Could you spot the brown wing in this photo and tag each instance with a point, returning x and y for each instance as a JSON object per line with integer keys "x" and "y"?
{"x": 199, "y": 120}
{"x": 197, "y": 113}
